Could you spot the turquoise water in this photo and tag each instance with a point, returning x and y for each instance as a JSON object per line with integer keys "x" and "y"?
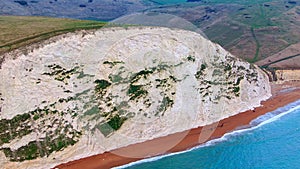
{"x": 272, "y": 142}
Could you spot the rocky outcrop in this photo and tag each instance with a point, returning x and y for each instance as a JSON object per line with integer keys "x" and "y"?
{"x": 84, "y": 93}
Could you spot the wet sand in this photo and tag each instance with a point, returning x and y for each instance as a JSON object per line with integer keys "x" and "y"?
{"x": 281, "y": 97}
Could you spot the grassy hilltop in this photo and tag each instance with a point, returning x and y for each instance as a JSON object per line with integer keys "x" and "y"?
{"x": 263, "y": 33}
{"x": 18, "y": 31}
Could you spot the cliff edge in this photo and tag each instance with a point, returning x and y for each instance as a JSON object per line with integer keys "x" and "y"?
{"x": 84, "y": 93}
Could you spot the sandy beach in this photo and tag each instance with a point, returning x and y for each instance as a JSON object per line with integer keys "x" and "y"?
{"x": 282, "y": 95}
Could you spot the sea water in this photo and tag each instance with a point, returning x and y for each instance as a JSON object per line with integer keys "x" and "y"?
{"x": 272, "y": 142}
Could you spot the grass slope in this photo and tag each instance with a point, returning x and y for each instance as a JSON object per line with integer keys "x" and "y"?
{"x": 17, "y": 31}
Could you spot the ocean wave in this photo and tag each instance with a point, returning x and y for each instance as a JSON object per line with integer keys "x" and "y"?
{"x": 280, "y": 111}
{"x": 256, "y": 123}
{"x": 150, "y": 159}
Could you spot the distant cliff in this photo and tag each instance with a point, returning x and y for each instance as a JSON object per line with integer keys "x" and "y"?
{"x": 283, "y": 75}
{"x": 288, "y": 75}
{"x": 84, "y": 93}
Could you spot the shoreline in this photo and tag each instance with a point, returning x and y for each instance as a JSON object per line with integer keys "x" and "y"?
{"x": 193, "y": 138}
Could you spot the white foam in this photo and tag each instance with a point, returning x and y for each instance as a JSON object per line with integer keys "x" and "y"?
{"x": 259, "y": 122}
{"x": 280, "y": 111}
{"x": 150, "y": 159}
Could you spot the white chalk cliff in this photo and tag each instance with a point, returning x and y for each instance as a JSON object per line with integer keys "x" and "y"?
{"x": 84, "y": 93}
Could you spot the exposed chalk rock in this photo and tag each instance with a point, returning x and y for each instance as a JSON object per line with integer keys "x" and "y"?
{"x": 84, "y": 93}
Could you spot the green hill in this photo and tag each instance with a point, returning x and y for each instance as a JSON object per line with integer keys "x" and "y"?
{"x": 18, "y": 31}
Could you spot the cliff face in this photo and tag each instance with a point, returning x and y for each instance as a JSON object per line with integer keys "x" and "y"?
{"x": 288, "y": 75}
{"x": 283, "y": 75}
{"x": 85, "y": 93}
